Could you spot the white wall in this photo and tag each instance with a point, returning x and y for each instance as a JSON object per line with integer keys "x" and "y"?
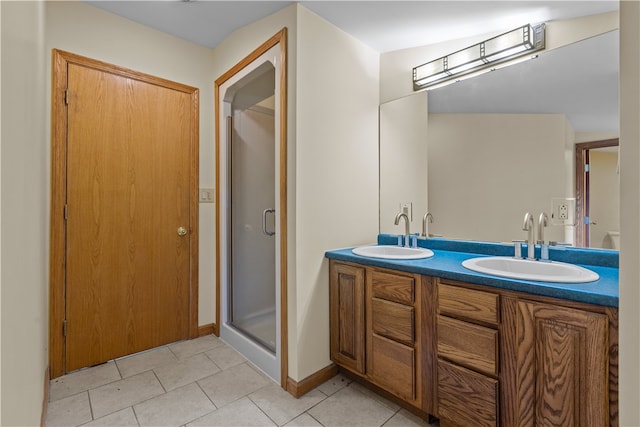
{"x": 24, "y": 213}
{"x": 85, "y": 30}
{"x": 336, "y": 169}
{"x": 403, "y": 165}
{"x": 629, "y": 213}
{"x": 0, "y": 222}
{"x": 487, "y": 170}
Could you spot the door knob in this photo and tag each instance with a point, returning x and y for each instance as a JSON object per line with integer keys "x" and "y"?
{"x": 182, "y": 231}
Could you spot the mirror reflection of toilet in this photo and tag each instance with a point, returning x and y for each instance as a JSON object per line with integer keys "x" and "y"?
{"x": 613, "y": 238}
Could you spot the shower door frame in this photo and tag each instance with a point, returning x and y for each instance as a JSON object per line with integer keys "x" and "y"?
{"x": 280, "y": 39}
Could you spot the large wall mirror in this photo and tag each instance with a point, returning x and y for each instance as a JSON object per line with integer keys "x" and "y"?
{"x": 503, "y": 143}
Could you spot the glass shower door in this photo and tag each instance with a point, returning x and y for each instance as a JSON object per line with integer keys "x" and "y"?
{"x": 252, "y": 293}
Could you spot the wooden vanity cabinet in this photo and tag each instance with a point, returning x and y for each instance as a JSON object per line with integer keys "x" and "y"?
{"x": 514, "y": 359}
{"x": 376, "y": 330}
{"x": 476, "y": 355}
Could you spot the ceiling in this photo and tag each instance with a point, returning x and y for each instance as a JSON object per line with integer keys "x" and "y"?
{"x": 393, "y": 25}
{"x": 382, "y": 25}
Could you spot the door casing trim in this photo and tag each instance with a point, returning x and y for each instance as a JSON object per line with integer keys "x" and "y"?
{"x": 279, "y": 37}
{"x": 57, "y": 273}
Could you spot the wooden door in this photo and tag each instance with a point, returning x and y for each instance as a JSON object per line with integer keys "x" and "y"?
{"x": 129, "y": 215}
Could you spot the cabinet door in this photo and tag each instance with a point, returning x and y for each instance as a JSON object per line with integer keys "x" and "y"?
{"x": 562, "y": 366}
{"x": 347, "y": 328}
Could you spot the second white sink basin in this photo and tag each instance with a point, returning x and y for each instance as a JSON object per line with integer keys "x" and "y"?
{"x": 392, "y": 252}
{"x": 516, "y": 268}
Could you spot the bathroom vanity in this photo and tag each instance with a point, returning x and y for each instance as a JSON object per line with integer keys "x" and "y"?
{"x": 473, "y": 349}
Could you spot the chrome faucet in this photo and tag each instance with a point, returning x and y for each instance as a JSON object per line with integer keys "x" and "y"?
{"x": 528, "y": 226}
{"x": 427, "y": 216}
{"x": 543, "y": 221}
{"x": 406, "y": 226}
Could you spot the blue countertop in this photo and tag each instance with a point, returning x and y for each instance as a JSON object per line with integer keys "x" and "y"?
{"x": 449, "y": 254}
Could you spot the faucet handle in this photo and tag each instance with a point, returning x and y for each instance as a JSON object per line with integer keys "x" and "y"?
{"x": 517, "y": 248}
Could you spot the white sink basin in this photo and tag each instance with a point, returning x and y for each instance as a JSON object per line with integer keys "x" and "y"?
{"x": 531, "y": 270}
{"x": 392, "y": 252}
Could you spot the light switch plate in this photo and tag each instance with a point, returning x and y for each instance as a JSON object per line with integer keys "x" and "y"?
{"x": 207, "y": 195}
{"x": 407, "y": 208}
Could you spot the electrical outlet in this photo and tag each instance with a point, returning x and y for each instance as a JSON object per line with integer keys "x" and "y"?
{"x": 563, "y": 211}
{"x": 407, "y": 208}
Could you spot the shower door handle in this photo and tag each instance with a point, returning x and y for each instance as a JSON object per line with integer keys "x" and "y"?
{"x": 264, "y": 222}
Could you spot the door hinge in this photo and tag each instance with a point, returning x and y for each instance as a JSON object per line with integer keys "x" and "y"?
{"x": 586, "y": 167}
{"x": 64, "y": 328}
{"x": 66, "y": 212}
{"x": 66, "y": 96}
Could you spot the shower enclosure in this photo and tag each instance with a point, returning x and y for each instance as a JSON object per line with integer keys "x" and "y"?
{"x": 249, "y": 159}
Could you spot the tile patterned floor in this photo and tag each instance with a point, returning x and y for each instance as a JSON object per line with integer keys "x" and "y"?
{"x": 204, "y": 382}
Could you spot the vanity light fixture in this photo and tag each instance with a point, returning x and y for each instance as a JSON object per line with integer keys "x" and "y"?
{"x": 489, "y": 55}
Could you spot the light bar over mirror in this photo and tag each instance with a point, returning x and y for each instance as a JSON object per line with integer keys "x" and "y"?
{"x": 480, "y": 58}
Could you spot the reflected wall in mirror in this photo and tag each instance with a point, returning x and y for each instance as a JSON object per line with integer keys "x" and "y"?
{"x": 502, "y": 144}
{"x": 403, "y": 172}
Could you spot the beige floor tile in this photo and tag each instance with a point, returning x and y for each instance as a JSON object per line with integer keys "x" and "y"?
{"x": 184, "y": 349}
{"x": 233, "y": 383}
{"x": 174, "y": 408}
{"x": 225, "y": 357}
{"x": 350, "y": 407}
{"x": 70, "y": 411}
{"x": 83, "y": 380}
{"x": 280, "y": 406}
{"x": 375, "y": 396}
{"x": 123, "y": 418}
{"x": 241, "y": 413}
{"x": 404, "y": 418}
{"x": 304, "y": 420}
{"x": 334, "y": 385}
{"x": 127, "y": 392}
{"x": 185, "y": 371}
{"x": 146, "y": 361}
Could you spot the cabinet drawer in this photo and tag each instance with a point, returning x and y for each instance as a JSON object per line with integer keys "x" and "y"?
{"x": 468, "y": 303}
{"x": 392, "y": 366}
{"x": 465, "y": 397}
{"x": 392, "y": 320}
{"x": 470, "y": 345}
{"x": 392, "y": 287}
